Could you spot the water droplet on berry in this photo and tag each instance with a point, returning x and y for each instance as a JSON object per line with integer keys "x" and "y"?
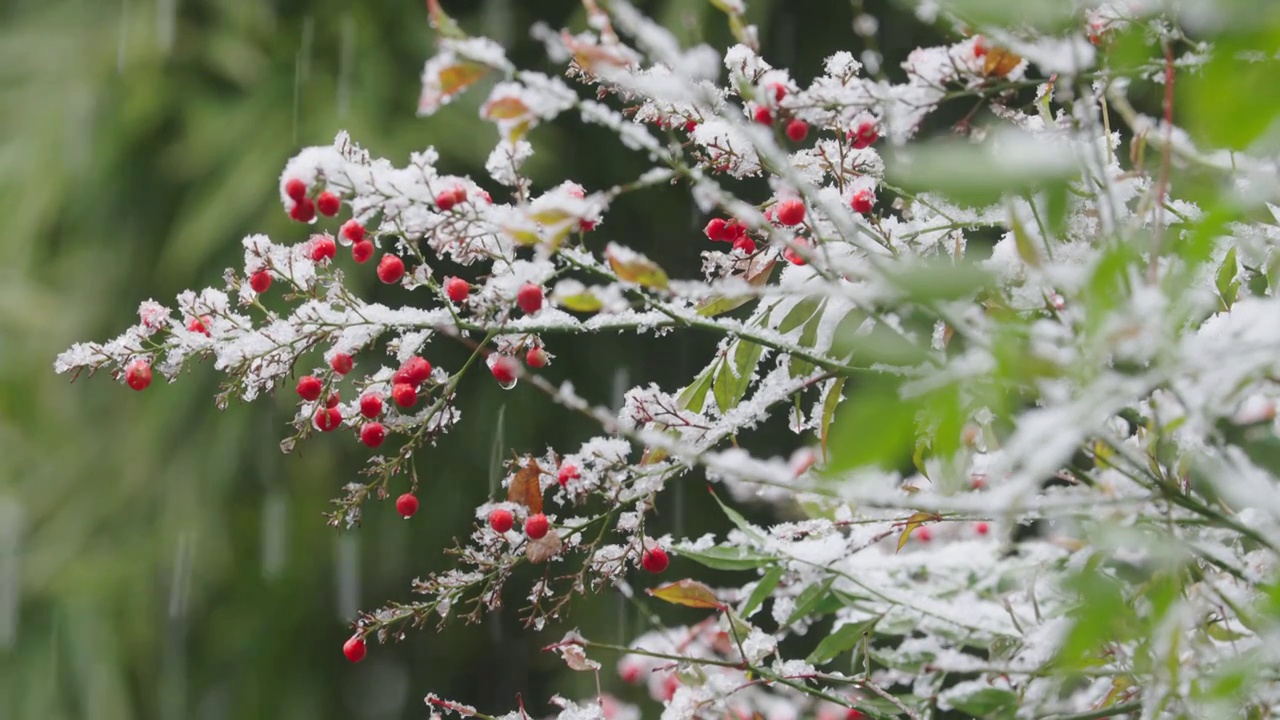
{"x": 508, "y": 385}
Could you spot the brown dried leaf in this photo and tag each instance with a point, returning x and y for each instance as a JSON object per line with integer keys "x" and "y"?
{"x": 526, "y": 487}
{"x": 689, "y": 593}
{"x": 916, "y": 520}
{"x": 544, "y": 548}
{"x": 999, "y": 62}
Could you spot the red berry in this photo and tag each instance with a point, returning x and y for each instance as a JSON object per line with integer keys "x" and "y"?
{"x": 390, "y": 269}
{"x": 923, "y": 534}
{"x": 763, "y": 115}
{"x": 138, "y": 375}
{"x": 791, "y": 212}
{"x": 323, "y": 248}
{"x": 328, "y": 204}
{"x": 354, "y": 649}
{"x": 417, "y": 370}
{"x": 655, "y": 560}
{"x": 501, "y": 520}
{"x": 979, "y": 47}
{"x": 779, "y": 91}
{"x": 485, "y": 196}
{"x": 862, "y": 202}
{"x": 690, "y": 125}
{"x": 446, "y": 200}
{"x": 586, "y": 225}
{"x": 352, "y": 231}
{"x": 864, "y": 136}
{"x": 371, "y": 405}
{"x": 200, "y": 325}
{"x": 309, "y": 387}
{"x": 745, "y": 244}
{"x": 797, "y": 130}
{"x": 568, "y": 472}
{"x": 794, "y": 257}
{"x": 407, "y": 505}
{"x": 504, "y": 370}
{"x": 303, "y": 210}
{"x": 328, "y": 419}
{"x": 361, "y": 251}
{"x": 536, "y": 358}
{"x": 536, "y": 526}
{"x": 341, "y": 363}
{"x": 402, "y": 376}
{"x": 459, "y": 195}
{"x": 715, "y": 230}
{"x": 457, "y": 289}
{"x": 981, "y": 528}
{"x": 260, "y": 281}
{"x": 529, "y": 298}
{"x": 295, "y": 189}
{"x": 333, "y": 400}
{"x": 404, "y": 395}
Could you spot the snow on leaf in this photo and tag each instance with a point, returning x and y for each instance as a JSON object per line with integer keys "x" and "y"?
{"x": 631, "y": 266}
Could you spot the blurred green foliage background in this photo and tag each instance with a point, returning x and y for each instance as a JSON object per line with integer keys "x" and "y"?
{"x": 161, "y": 559}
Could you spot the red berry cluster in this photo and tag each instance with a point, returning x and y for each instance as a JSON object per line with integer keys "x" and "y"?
{"x": 730, "y": 231}
{"x": 863, "y": 136}
{"x": 796, "y": 129}
{"x": 304, "y": 208}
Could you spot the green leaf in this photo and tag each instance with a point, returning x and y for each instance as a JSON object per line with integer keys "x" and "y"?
{"x": 727, "y": 558}
{"x": 1223, "y": 100}
{"x": 809, "y": 599}
{"x": 807, "y": 337}
{"x": 1009, "y": 162}
{"x": 1226, "y": 279}
{"x": 985, "y": 702}
{"x": 873, "y": 427}
{"x": 694, "y": 397}
{"x": 731, "y": 382}
{"x": 763, "y": 590}
{"x": 844, "y": 638}
{"x": 738, "y": 520}
{"x": 1022, "y": 241}
{"x": 829, "y": 403}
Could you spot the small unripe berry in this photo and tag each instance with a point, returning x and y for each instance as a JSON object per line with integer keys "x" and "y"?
{"x": 981, "y": 528}
{"x": 763, "y": 115}
{"x": 352, "y": 231}
{"x": 390, "y": 269}
{"x": 446, "y": 200}
{"x": 568, "y": 471}
{"x": 323, "y": 248}
{"x": 862, "y": 202}
{"x": 309, "y": 387}
{"x": 303, "y": 210}
{"x": 791, "y": 212}
{"x": 138, "y": 375}
{"x": 328, "y": 204}
{"x": 797, "y": 130}
{"x": 529, "y": 298}
{"x": 417, "y": 370}
{"x": 260, "y": 281}
{"x": 342, "y": 363}
{"x": 354, "y": 649}
{"x": 295, "y": 189}
{"x": 404, "y": 394}
{"x": 501, "y": 520}
{"x": 407, "y": 505}
{"x": 371, "y": 405}
{"x": 536, "y": 358}
{"x": 536, "y": 526}
{"x": 655, "y": 560}
{"x": 504, "y": 370}
{"x": 361, "y": 251}
{"x": 457, "y": 289}
{"x": 328, "y": 419}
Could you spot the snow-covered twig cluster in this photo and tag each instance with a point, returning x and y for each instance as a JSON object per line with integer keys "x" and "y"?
{"x": 1039, "y": 484}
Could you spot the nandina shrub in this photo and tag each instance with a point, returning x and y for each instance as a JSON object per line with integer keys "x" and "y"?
{"x": 1039, "y": 484}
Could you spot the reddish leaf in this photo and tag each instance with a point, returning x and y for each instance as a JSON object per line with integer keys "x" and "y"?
{"x": 526, "y": 488}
